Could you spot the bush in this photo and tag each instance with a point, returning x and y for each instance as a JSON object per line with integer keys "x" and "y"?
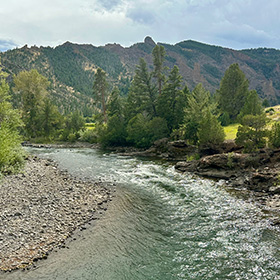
{"x": 11, "y": 152}
{"x": 274, "y": 136}
{"x": 89, "y": 135}
{"x": 143, "y": 132}
{"x": 115, "y": 132}
{"x": 252, "y": 133}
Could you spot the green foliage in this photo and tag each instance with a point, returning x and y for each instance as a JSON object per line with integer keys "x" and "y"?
{"x": 115, "y": 132}
{"x": 32, "y": 87}
{"x": 100, "y": 91}
{"x": 51, "y": 120}
{"x": 251, "y": 134}
{"x": 89, "y": 135}
{"x": 158, "y": 60}
{"x": 142, "y": 94}
{"x": 265, "y": 103}
{"x": 142, "y": 132}
{"x": 274, "y": 135}
{"x": 68, "y": 63}
{"x": 193, "y": 157}
{"x": 210, "y": 132}
{"x": 233, "y": 91}
{"x": 224, "y": 118}
{"x": 172, "y": 102}
{"x": 11, "y": 153}
{"x": 74, "y": 124}
{"x": 252, "y": 105}
{"x": 230, "y": 162}
{"x": 198, "y": 104}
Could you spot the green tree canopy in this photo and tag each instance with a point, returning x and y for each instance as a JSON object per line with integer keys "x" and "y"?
{"x": 100, "y": 91}
{"x": 251, "y": 134}
{"x": 252, "y": 105}
{"x": 142, "y": 94}
{"x": 198, "y": 104}
{"x": 233, "y": 91}
{"x": 11, "y": 153}
{"x": 32, "y": 88}
{"x": 173, "y": 100}
{"x": 210, "y": 132}
{"x": 158, "y": 60}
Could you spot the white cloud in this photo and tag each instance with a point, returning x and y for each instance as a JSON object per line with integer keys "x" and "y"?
{"x": 231, "y": 23}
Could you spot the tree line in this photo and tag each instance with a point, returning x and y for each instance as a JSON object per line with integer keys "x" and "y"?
{"x": 158, "y": 105}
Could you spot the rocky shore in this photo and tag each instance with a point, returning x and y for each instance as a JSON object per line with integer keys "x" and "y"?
{"x": 41, "y": 207}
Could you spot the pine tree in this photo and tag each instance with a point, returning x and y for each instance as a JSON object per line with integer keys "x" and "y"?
{"x": 210, "y": 132}
{"x": 158, "y": 60}
{"x": 252, "y": 105}
{"x": 251, "y": 134}
{"x": 142, "y": 93}
{"x": 233, "y": 91}
{"x": 198, "y": 104}
{"x": 172, "y": 102}
{"x": 100, "y": 87}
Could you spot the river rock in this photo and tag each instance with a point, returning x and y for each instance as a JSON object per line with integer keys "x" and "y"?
{"x": 39, "y": 210}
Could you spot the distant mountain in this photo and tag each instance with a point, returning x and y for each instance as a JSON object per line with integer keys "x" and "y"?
{"x": 71, "y": 67}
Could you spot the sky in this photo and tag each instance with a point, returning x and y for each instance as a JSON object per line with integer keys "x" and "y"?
{"x": 236, "y": 24}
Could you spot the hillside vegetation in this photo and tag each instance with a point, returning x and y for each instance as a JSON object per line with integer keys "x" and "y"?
{"x": 71, "y": 67}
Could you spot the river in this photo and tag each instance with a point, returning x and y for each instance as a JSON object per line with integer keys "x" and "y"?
{"x": 161, "y": 225}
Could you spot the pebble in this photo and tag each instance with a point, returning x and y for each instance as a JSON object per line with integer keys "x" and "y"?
{"x": 40, "y": 208}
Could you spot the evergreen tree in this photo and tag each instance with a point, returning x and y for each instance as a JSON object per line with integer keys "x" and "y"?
{"x": 251, "y": 134}
{"x": 114, "y": 134}
{"x": 274, "y": 136}
{"x": 172, "y": 102}
{"x": 142, "y": 132}
{"x": 158, "y": 60}
{"x": 198, "y": 104}
{"x": 233, "y": 91}
{"x": 50, "y": 118}
{"x": 252, "y": 105}
{"x": 142, "y": 94}
{"x": 100, "y": 88}
{"x": 210, "y": 132}
{"x": 115, "y": 106}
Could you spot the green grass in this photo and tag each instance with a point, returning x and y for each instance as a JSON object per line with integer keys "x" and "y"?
{"x": 231, "y": 131}
{"x": 90, "y": 126}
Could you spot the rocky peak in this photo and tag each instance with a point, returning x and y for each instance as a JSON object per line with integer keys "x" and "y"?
{"x": 149, "y": 41}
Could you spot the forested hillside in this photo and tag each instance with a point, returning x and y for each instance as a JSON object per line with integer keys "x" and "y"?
{"x": 71, "y": 67}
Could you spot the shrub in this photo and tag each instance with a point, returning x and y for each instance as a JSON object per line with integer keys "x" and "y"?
{"x": 274, "y": 136}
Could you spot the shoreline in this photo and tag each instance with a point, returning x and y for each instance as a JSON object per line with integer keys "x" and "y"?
{"x": 43, "y": 206}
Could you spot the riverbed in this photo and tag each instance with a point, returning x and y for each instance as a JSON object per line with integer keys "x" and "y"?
{"x": 161, "y": 225}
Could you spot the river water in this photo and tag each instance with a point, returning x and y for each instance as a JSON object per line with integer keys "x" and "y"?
{"x": 161, "y": 225}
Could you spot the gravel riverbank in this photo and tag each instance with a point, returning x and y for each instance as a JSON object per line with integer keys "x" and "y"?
{"x": 41, "y": 207}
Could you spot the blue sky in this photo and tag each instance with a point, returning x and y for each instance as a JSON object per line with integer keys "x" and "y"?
{"x": 236, "y": 24}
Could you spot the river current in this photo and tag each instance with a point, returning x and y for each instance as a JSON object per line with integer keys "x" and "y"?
{"x": 161, "y": 225}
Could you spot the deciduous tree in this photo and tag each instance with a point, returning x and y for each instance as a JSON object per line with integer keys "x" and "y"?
{"x": 32, "y": 88}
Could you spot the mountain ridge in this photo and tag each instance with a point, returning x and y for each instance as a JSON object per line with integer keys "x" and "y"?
{"x": 71, "y": 67}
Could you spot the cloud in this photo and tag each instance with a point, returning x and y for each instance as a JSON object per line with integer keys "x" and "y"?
{"x": 142, "y": 16}
{"x": 231, "y": 23}
{"x": 109, "y": 4}
{"x": 7, "y": 45}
